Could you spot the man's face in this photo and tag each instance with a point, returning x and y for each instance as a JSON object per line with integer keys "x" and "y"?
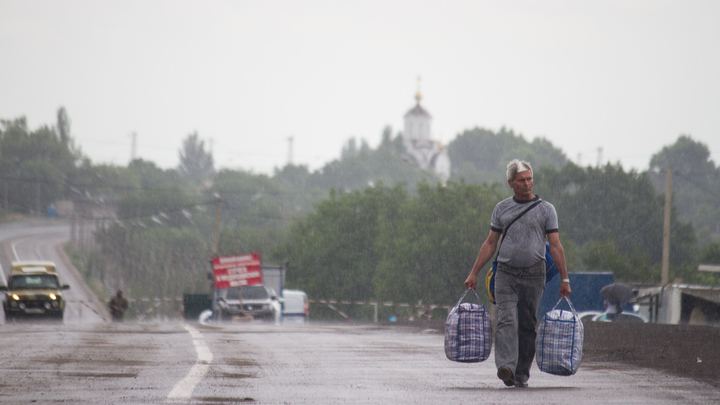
{"x": 522, "y": 185}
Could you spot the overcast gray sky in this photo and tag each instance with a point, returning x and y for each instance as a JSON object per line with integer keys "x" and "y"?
{"x": 627, "y": 76}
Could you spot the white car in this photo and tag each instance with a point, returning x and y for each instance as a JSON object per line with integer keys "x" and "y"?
{"x": 258, "y": 301}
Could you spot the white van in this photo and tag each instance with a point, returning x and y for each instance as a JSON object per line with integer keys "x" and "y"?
{"x": 295, "y": 307}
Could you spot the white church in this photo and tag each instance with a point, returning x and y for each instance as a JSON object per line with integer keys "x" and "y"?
{"x": 426, "y": 153}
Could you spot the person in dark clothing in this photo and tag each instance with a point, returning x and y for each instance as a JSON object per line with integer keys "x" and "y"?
{"x": 118, "y": 305}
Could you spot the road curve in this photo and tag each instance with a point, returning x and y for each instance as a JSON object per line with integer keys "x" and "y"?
{"x": 43, "y": 240}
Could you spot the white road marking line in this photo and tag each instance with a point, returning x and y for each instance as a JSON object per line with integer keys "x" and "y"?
{"x": 183, "y": 390}
{"x": 14, "y": 244}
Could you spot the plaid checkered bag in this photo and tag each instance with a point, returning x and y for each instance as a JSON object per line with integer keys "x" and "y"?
{"x": 558, "y": 346}
{"x": 468, "y": 333}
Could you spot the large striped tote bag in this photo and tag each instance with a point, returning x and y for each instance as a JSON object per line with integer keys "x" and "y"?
{"x": 468, "y": 333}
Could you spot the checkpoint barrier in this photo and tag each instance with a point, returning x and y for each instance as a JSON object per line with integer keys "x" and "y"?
{"x": 151, "y": 303}
{"x": 422, "y": 308}
{"x": 154, "y": 303}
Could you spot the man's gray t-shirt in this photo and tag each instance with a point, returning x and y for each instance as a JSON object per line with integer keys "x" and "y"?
{"x": 524, "y": 243}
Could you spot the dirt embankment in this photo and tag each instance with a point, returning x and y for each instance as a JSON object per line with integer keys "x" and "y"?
{"x": 684, "y": 350}
{"x": 691, "y": 351}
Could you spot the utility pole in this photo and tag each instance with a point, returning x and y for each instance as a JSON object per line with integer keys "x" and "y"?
{"x": 133, "y": 148}
{"x": 37, "y": 197}
{"x": 216, "y": 293}
{"x": 290, "y": 150}
{"x": 666, "y": 228}
{"x": 217, "y": 224}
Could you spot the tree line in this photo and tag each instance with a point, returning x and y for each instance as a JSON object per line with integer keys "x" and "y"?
{"x": 368, "y": 225}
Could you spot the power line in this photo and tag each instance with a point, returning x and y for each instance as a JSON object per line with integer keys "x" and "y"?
{"x": 141, "y": 188}
{"x": 705, "y": 189}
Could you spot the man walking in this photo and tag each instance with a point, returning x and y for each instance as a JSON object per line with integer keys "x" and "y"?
{"x": 520, "y": 276}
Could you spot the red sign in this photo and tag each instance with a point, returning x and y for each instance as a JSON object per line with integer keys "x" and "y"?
{"x": 237, "y": 271}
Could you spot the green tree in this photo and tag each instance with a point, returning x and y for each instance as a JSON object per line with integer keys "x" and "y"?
{"x": 686, "y": 156}
{"x": 609, "y": 204}
{"x": 109, "y": 181}
{"x": 480, "y": 155}
{"x": 635, "y": 265}
{"x": 430, "y": 243}
{"x": 332, "y": 252}
{"x": 196, "y": 164}
{"x": 63, "y": 126}
{"x": 695, "y": 184}
{"x": 34, "y": 166}
{"x": 711, "y": 254}
{"x": 368, "y": 167}
{"x": 151, "y": 260}
{"x": 149, "y": 176}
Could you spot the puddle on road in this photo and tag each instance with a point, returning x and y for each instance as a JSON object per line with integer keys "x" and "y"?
{"x": 222, "y": 400}
{"x": 98, "y": 375}
{"x": 118, "y": 362}
{"x": 237, "y": 375}
{"x": 240, "y": 362}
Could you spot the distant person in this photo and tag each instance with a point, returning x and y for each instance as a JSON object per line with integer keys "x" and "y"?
{"x": 118, "y": 305}
{"x": 612, "y": 309}
{"x": 520, "y": 276}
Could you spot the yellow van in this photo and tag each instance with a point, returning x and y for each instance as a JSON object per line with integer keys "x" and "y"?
{"x": 33, "y": 289}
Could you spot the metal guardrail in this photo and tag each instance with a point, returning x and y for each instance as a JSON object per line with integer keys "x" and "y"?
{"x": 384, "y": 304}
{"x": 331, "y": 304}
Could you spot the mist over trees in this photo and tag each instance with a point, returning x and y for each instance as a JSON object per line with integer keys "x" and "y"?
{"x": 367, "y": 226}
{"x": 479, "y": 155}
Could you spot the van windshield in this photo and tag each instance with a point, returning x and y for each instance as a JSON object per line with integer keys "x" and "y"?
{"x": 34, "y": 281}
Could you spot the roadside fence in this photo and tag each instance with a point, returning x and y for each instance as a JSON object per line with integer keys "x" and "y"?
{"x": 422, "y": 308}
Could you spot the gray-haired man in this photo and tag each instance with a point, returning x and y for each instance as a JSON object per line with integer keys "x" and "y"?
{"x": 520, "y": 277}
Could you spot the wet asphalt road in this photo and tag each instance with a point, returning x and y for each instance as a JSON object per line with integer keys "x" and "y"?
{"x": 86, "y": 360}
{"x": 268, "y": 364}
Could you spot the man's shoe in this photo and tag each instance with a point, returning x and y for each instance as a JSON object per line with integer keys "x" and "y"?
{"x": 506, "y": 375}
{"x": 521, "y": 384}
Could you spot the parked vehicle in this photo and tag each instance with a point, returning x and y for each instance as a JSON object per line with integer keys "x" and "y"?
{"x": 621, "y": 317}
{"x": 33, "y": 290}
{"x": 295, "y": 307}
{"x": 588, "y": 315}
{"x": 258, "y": 301}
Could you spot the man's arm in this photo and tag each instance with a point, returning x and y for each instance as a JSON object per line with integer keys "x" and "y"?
{"x": 558, "y": 254}
{"x": 486, "y": 251}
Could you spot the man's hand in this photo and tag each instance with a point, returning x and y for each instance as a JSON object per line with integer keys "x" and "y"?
{"x": 471, "y": 281}
{"x": 486, "y": 251}
{"x": 565, "y": 290}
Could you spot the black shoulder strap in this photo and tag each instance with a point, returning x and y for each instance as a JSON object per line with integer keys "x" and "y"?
{"x": 535, "y": 204}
